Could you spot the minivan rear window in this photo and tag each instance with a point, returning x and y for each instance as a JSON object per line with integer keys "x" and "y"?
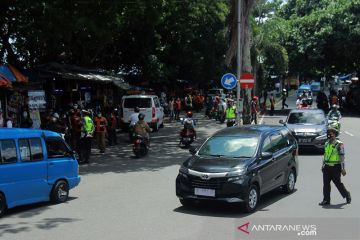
{"x": 8, "y": 151}
{"x": 137, "y": 102}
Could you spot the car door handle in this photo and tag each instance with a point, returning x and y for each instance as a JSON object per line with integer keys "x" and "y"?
{"x": 51, "y": 164}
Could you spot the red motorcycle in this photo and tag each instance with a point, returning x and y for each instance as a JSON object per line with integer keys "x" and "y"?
{"x": 140, "y": 147}
{"x": 187, "y": 136}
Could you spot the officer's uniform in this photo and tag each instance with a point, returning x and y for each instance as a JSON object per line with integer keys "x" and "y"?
{"x": 87, "y": 135}
{"x": 332, "y": 167}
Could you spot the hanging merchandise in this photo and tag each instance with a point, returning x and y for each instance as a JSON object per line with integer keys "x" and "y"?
{"x": 35, "y": 117}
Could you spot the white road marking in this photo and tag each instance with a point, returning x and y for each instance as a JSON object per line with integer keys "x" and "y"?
{"x": 349, "y": 133}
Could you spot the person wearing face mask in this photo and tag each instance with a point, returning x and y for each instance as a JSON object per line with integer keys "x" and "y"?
{"x": 26, "y": 120}
{"x": 75, "y": 127}
{"x": 100, "y": 128}
{"x": 333, "y": 167}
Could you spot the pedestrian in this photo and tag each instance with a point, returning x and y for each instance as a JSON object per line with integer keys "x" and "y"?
{"x": 26, "y": 120}
{"x": 112, "y": 129}
{"x": 171, "y": 108}
{"x": 284, "y": 94}
{"x": 333, "y": 167}
{"x": 9, "y": 121}
{"x": 87, "y": 132}
{"x": 272, "y": 104}
{"x": 254, "y": 109}
{"x": 177, "y": 108}
{"x": 75, "y": 127}
{"x": 101, "y": 124}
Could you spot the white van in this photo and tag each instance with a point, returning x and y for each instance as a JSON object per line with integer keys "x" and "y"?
{"x": 148, "y": 104}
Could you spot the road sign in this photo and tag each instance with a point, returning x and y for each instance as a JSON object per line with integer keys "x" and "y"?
{"x": 247, "y": 80}
{"x": 228, "y": 81}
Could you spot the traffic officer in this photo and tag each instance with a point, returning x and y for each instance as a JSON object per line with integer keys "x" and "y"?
{"x": 101, "y": 124}
{"x": 86, "y": 136}
{"x": 333, "y": 167}
{"x": 230, "y": 113}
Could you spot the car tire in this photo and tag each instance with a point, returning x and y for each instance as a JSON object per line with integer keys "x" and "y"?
{"x": 2, "y": 204}
{"x": 186, "y": 202}
{"x": 289, "y": 187}
{"x": 60, "y": 192}
{"x": 252, "y": 199}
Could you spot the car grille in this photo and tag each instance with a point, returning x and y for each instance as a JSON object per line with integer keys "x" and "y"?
{"x": 213, "y": 183}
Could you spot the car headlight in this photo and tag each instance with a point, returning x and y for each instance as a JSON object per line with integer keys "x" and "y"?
{"x": 322, "y": 134}
{"x": 183, "y": 171}
{"x": 237, "y": 176}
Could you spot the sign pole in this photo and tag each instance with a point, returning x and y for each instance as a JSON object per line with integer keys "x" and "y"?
{"x": 239, "y": 62}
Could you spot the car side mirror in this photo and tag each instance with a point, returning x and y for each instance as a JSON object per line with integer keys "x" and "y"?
{"x": 192, "y": 150}
{"x": 282, "y": 122}
{"x": 266, "y": 155}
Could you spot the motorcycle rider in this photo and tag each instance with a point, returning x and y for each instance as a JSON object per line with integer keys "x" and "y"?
{"x": 142, "y": 128}
{"x": 134, "y": 117}
{"x": 55, "y": 125}
{"x": 230, "y": 113}
{"x": 334, "y": 112}
{"x": 189, "y": 123}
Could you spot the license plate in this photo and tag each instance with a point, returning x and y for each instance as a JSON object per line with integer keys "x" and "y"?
{"x": 304, "y": 140}
{"x": 205, "y": 192}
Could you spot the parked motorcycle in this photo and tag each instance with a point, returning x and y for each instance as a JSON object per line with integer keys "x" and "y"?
{"x": 334, "y": 122}
{"x": 140, "y": 147}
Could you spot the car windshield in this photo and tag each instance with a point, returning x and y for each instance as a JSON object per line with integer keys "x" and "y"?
{"x": 230, "y": 146}
{"x": 306, "y": 118}
{"x": 137, "y": 102}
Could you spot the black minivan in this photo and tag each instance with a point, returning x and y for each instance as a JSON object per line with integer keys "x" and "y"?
{"x": 238, "y": 165}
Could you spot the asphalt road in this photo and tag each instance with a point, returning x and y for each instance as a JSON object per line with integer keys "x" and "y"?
{"x": 121, "y": 197}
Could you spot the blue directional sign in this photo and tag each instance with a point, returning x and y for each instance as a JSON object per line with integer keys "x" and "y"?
{"x": 228, "y": 81}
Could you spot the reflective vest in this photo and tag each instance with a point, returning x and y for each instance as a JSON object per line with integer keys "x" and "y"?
{"x": 332, "y": 156}
{"x": 230, "y": 113}
{"x": 89, "y": 125}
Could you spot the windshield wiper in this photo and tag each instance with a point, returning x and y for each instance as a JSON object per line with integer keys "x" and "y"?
{"x": 216, "y": 155}
{"x": 242, "y": 157}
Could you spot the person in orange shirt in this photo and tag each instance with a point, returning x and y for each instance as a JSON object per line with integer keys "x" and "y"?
{"x": 100, "y": 129}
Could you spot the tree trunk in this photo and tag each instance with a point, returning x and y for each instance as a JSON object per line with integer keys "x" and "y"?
{"x": 246, "y": 56}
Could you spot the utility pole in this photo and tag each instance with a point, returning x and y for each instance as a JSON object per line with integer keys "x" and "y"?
{"x": 239, "y": 61}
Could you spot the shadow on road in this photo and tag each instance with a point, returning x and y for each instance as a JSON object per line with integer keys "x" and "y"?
{"x": 216, "y": 209}
{"x": 29, "y": 211}
{"x": 164, "y": 151}
{"x": 335, "y": 206}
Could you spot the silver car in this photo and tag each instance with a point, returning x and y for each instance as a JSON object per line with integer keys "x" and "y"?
{"x": 308, "y": 126}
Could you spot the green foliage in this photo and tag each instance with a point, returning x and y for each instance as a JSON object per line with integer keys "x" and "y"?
{"x": 324, "y": 35}
{"x": 153, "y": 40}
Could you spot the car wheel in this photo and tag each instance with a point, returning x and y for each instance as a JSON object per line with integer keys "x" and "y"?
{"x": 289, "y": 187}
{"x": 252, "y": 199}
{"x": 2, "y": 204}
{"x": 186, "y": 202}
{"x": 60, "y": 192}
